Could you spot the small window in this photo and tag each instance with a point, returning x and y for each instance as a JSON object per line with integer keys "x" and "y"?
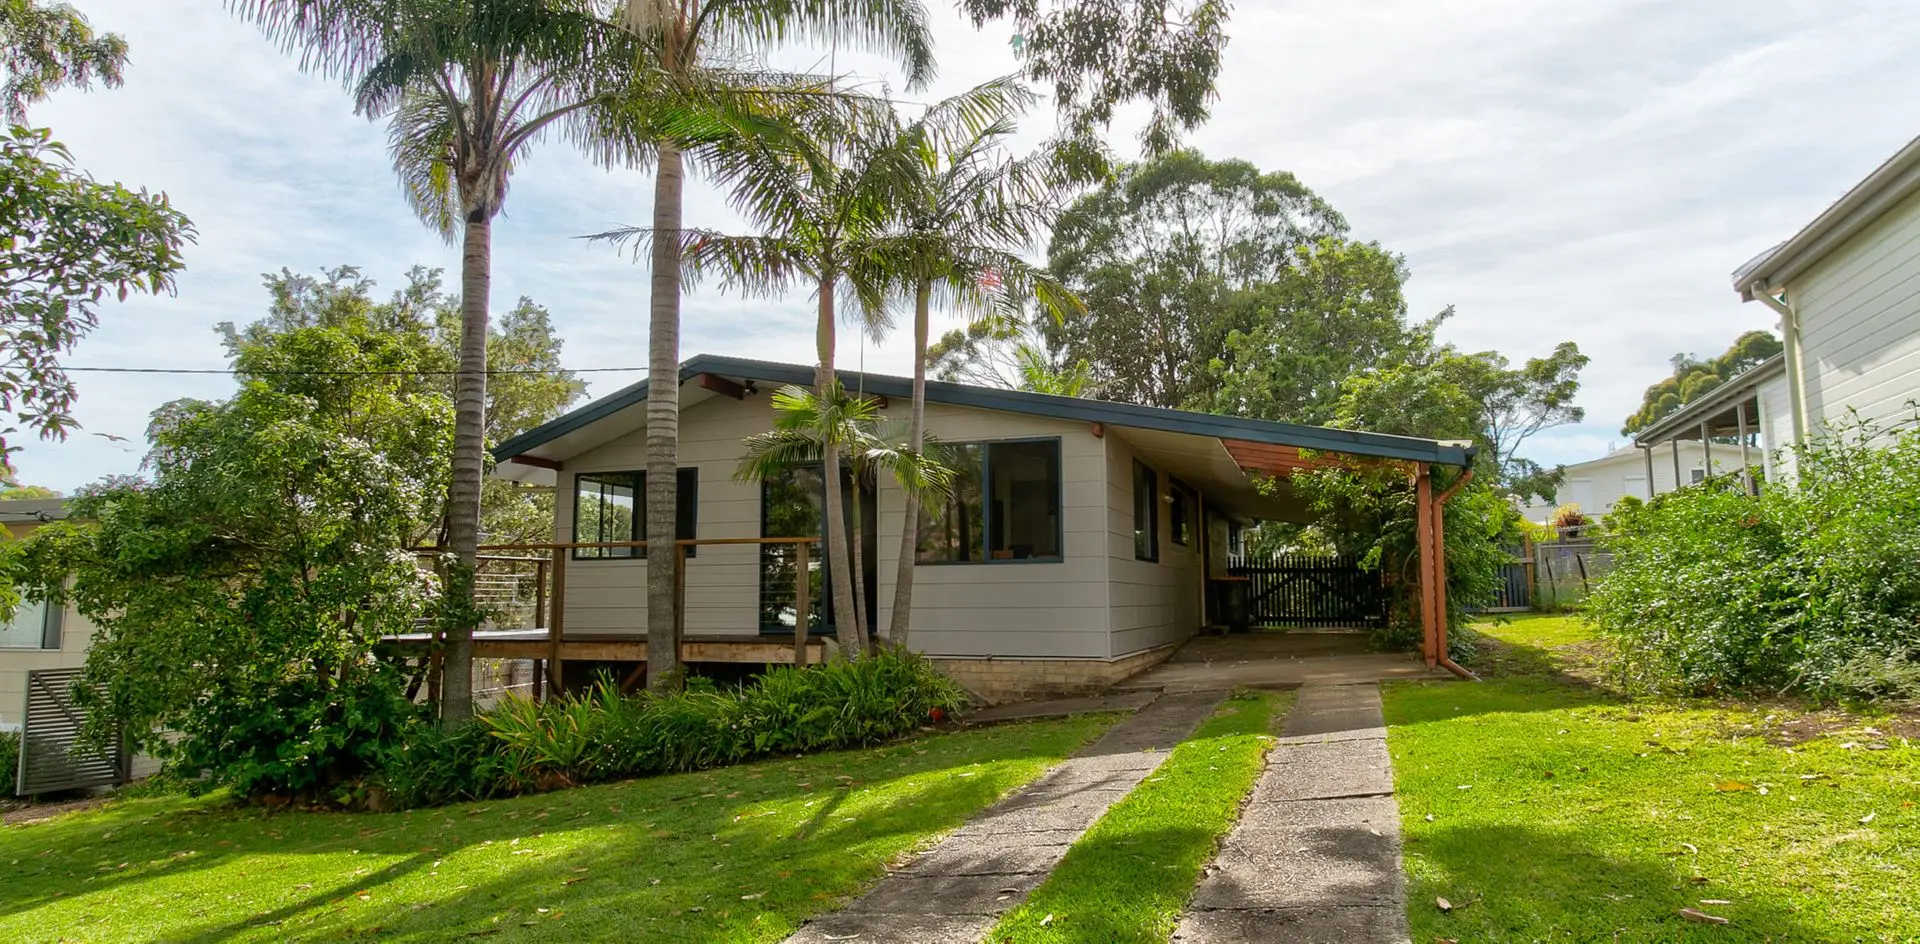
{"x": 35, "y": 625}
{"x": 611, "y": 506}
{"x": 1696, "y": 476}
{"x": 1181, "y": 514}
{"x": 1146, "y": 517}
{"x": 1005, "y": 505}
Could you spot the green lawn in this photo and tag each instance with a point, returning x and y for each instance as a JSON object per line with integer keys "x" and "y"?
{"x": 741, "y": 854}
{"x": 1129, "y": 877}
{"x": 1543, "y": 809}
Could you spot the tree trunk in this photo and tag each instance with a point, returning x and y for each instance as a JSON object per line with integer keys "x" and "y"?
{"x": 898, "y": 627}
{"x": 469, "y": 445}
{"x": 664, "y": 671}
{"x": 846, "y": 628}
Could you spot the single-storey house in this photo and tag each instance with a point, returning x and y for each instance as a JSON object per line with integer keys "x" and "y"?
{"x": 1076, "y": 550}
{"x": 1596, "y": 485}
{"x": 1847, "y": 290}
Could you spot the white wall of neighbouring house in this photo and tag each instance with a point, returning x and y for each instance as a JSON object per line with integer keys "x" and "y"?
{"x": 1155, "y": 603}
{"x": 1599, "y": 484}
{"x": 22, "y": 650}
{"x": 1776, "y": 427}
{"x": 1859, "y": 313}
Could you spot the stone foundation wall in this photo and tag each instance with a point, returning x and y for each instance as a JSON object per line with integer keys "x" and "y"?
{"x": 999, "y": 681}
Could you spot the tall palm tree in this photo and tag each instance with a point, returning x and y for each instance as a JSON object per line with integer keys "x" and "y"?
{"x": 468, "y": 87}
{"x": 683, "y": 33}
{"x": 964, "y": 210}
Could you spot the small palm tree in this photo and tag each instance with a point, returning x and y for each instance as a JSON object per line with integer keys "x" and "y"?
{"x": 965, "y": 210}
{"x": 682, "y": 32}
{"x": 467, "y": 88}
{"x": 807, "y": 428}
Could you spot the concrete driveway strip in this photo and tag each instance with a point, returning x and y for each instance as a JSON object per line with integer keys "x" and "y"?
{"x": 957, "y": 891}
{"x": 1315, "y": 857}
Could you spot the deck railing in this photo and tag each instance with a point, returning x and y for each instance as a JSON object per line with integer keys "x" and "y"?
{"x": 524, "y": 585}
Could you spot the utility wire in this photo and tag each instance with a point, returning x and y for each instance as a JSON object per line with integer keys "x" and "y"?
{"x": 348, "y": 373}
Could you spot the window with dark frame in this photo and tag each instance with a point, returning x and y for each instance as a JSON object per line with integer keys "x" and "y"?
{"x": 1004, "y": 506}
{"x": 611, "y": 506}
{"x": 35, "y": 625}
{"x": 1146, "y": 517}
{"x": 1181, "y": 514}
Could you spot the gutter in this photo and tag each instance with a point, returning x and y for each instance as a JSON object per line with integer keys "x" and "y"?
{"x": 1790, "y": 333}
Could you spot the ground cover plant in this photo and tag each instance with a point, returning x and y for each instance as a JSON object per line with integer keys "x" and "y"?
{"x": 1808, "y": 587}
{"x": 1129, "y": 877}
{"x": 733, "y": 855}
{"x": 1544, "y": 808}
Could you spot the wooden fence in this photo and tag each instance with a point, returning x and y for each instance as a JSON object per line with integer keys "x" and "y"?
{"x": 1310, "y": 590}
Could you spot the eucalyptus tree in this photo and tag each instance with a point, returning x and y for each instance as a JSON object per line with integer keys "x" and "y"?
{"x": 466, "y": 87}
{"x": 964, "y": 209}
{"x": 687, "y": 38}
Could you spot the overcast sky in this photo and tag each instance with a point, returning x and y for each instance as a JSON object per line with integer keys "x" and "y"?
{"x": 1558, "y": 171}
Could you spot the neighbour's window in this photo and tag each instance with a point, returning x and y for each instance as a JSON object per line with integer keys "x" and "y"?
{"x": 1146, "y": 517}
{"x": 1697, "y": 476}
{"x": 33, "y": 626}
{"x": 611, "y": 506}
{"x": 1005, "y": 505}
{"x": 1181, "y": 514}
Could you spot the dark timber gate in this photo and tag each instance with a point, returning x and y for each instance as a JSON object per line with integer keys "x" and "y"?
{"x": 1310, "y": 590}
{"x": 50, "y": 756}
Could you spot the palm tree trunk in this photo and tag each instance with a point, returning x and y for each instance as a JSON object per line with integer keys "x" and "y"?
{"x": 664, "y": 671}
{"x": 847, "y": 628}
{"x": 898, "y": 626}
{"x": 469, "y": 444}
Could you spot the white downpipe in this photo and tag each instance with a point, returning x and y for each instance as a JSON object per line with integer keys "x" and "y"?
{"x": 1790, "y": 333}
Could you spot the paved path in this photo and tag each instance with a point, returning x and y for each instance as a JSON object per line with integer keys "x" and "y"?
{"x": 1315, "y": 858}
{"x": 959, "y": 890}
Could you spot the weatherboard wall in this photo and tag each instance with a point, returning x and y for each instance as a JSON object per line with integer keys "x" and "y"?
{"x": 1859, "y": 311}
{"x": 1153, "y": 603}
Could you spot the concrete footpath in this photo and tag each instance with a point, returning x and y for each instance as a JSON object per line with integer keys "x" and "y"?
{"x": 958, "y": 891}
{"x": 1315, "y": 858}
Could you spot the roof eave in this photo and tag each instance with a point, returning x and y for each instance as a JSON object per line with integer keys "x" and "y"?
{"x": 1689, "y": 415}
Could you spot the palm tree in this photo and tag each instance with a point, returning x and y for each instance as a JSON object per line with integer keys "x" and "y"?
{"x": 468, "y": 87}
{"x": 682, "y": 32}
{"x": 964, "y": 210}
{"x": 807, "y": 427}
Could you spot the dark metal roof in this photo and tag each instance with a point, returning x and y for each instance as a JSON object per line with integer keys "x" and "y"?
{"x": 1351, "y": 442}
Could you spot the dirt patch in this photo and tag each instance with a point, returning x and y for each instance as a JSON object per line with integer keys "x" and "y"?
{"x": 1785, "y": 724}
{"x": 23, "y": 813}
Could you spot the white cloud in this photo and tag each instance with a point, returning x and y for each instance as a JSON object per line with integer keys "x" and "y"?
{"x": 1558, "y": 171}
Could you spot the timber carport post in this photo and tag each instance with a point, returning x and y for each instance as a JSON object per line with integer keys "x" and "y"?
{"x": 1430, "y": 530}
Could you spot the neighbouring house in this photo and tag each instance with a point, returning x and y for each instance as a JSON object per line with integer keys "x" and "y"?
{"x": 1594, "y": 486}
{"x": 39, "y": 636}
{"x": 1081, "y": 544}
{"x": 1847, "y": 290}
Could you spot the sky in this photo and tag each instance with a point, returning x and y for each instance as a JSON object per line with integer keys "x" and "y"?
{"x": 1556, "y": 171}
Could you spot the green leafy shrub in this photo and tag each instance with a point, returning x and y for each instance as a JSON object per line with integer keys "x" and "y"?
{"x": 1811, "y": 588}
{"x": 9, "y": 761}
{"x": 522, "y": 746}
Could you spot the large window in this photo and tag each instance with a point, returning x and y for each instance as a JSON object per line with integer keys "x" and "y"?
{"x": 611, "y": 506}
{"x": 1146, "y": 513}
{"x": 1005, "y": 505}
{"x": 34, "y": 626}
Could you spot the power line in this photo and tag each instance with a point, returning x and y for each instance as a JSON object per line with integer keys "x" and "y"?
{"x": 348, "y": 373}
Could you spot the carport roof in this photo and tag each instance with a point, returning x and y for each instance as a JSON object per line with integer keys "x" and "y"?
{"x": 543, "y": 440}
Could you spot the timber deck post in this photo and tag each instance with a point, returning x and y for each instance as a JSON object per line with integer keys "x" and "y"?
{"x": 1423, "y": 542}
{"x": 802, "y": 602}
{"x": 556, "y": 622}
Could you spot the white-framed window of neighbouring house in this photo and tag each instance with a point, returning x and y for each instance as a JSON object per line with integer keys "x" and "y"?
{"x": 34, "y": 625}
{"x": 611, "y": 506}
{"x": 1004, "y": 506}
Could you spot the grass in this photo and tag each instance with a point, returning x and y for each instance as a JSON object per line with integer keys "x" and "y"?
{"x": 1545, "y": 809}
{"x": 1129, "y": 876}
{"x": 738, "y": 854}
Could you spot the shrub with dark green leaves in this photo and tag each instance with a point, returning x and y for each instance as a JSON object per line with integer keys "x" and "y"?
{"x": 1813, "y": 586}
{"x": 522, "y": 746}
{"x": 9, "y": 761}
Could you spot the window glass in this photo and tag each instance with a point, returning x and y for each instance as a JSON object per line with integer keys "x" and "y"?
{"x": 1005, "y": 505}
{"x": 791, "y": 506}
{"x": 609, "y": 506}
{"x": 27, "y": 629}
{"x": 1146, "y": 516}
{"x": 1181, "y": 514}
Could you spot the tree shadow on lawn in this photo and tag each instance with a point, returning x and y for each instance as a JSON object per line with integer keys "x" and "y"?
{"x": 589, "y": 856}
{"x": 1520, "y": 884}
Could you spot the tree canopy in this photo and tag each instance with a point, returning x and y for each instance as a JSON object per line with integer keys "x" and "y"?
{"x": 46, "y": 46}
{"x": 1693, "y": 377}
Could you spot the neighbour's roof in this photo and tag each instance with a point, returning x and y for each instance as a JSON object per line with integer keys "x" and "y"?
{"x": 1684, "y": 423}
{"x": 1882, "y": 190}
{"x": 1106, "y": 412}
{"x": 32, "y": 510}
